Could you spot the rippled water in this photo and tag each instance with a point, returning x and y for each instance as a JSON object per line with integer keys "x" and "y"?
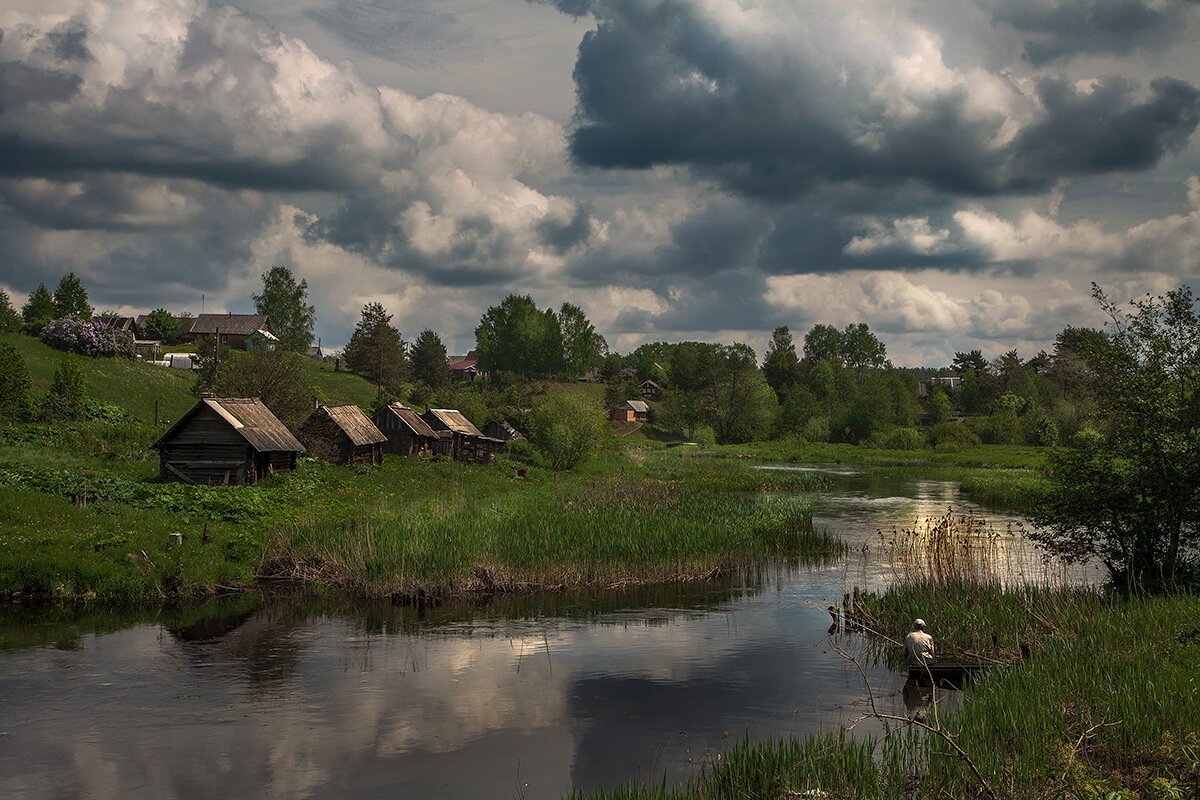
{"x": 521, "y": 698}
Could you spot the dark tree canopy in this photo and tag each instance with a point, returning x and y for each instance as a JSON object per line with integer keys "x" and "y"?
{"x": 38, "y": 309}
{"x": 583, "y": 348}
{"x": 66, "y": 397}
{"x": 861, "y": 350}
{"x": 375, "y": 349}
{"x": 10, "y": 320}
{"x": 161, "y": 325}
{"x": 277, "y": 377}
{"x": 781, "y": 365}
{"x": 16, "y": 389}
{"x": 285, "y": 303}
{"x": 970, "y": 360}
{"x": 1128, "y": 495}
{"x": 71, "y": 298}
{"x": 429, "y": 360}
{"x": 823, "y": 343}
{"x": 515, "y": 337}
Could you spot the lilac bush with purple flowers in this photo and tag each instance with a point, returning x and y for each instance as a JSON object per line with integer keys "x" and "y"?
{"x": 88, "y": 337}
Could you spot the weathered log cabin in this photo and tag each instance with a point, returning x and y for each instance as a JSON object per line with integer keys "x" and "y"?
{"x": 407, "y": 434}
{"x": 342, "y": 434}
{"x": 230, "y": 440}
{"x": 503, "y": 430}
{"x": 234, "y": 329}
{"x": 468, "y": 442}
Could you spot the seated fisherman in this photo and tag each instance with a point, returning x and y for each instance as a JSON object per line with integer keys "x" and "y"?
{"x": 918, "y": 646}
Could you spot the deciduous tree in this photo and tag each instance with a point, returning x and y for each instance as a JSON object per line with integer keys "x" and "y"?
{"x": 567, "y": 428}
{"x": 781, "y": 365}
{"x": 71, "y": 298}
{"x": 285, "y": 303}
{"x": 582, "y": 346}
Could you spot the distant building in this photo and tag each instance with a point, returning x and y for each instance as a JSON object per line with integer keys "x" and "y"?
{"x": 464, "y": 368}
{"x": 503, "y": 430}
{"x": 342, "y": 434}
{"x": 650, "y": 390}
{"x": 233, "y": 329}
{"x": 315, "y": 353}
{"x": 407, "y": 434}
{"x": 261, "y": 340}
{"x": 467, "y": 442}
{"x": 231, "y": 440}
{"x": 632, "y": 411}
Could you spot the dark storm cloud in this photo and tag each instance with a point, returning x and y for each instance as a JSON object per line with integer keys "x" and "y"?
{"x": 67, "y": 41}
{"x": 660, "y": 84}
{"x": 1059, "y": 30}
{"x": 22, "y": 85}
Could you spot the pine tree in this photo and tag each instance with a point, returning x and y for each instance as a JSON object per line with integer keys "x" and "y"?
{"x": 781, "y": 365}
{"x": 16, "y": 390}
{"x": 38, "y": 309}
{"x": 429, "y": 362}
{"x": 375, "y": 349}
{"x": 10, "y": 320}
{"x": 285, "y": 303}
{"x": 71, "y": 298}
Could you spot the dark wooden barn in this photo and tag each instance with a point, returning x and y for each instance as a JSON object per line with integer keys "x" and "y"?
{"x": 468, "y": 442}
{"x": 503, "y": 430}
{"x": 342, "y": 434}
{"x": 407, "y": 434}
{"x": 230, "y": 440}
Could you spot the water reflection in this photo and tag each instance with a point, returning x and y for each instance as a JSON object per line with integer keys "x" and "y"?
{"x": 504, "y": 697}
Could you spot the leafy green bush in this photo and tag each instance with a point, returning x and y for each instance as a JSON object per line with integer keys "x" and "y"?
{"x": 900, "y": 439}
{"x": 567, "y": 428}
{"x": 15, "y": 387}
{"x": 66, "y": 397}
{"x": 953, "y": 434}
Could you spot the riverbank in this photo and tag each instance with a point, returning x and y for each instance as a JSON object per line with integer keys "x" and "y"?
{"x": 409, "y": 529}
{"x": 1105, "y": 704}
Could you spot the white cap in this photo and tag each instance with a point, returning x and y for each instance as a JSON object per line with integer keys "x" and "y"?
{"x": 918, "y": 623}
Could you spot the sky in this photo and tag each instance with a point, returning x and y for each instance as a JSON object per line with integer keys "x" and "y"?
{"x": 955, "y": 173}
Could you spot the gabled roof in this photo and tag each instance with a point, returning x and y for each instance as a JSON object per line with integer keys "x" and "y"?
{"x": 507, "y": 431}
{"x": 649, "y": 382}
{"x": 253, "y": 421}
{"x": 265, "y": 334}
{"x": 229, "y": 324}
{"x": 640, "y": 406}
{"x": 455, "y": 421}
{"x": 463, "y": 362}
{"x": 412, "y": 419}
{"x": 354, "y": 423}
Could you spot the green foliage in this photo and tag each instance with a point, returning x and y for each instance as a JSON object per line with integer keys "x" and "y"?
{"x": 66, "y": 397}
{"x": 161, "y": 325}
{"x": 429, "y": 361}
{"x": 900, "y": 439}
{"x": 277, "y": 377}
{"x": 938, "y": 405}
{"x": 375, "y": 349}
{"x": 972, "y": 361}
{"x": 567, "y": 429}
{"x": 953, "y": 434}
{"x": 285, "y": 303}
{"x": 515, "y": 337}
{"x": 1128, "y": 498}
{"x": 38, "y": 308}
{"x": 16, "y": 389}
{"x": 70, "y": 298}
{"x": 10, "y": 320}
{"x": 582, "y": 346}
{"x": 781, "y": 365}
{"x": 823, "y": 343}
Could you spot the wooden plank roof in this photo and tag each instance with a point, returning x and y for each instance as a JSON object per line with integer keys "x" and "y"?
{"x": 253, "y": 421}
{"x": 455, "y": 421}
{"x": 354, "y": 423}
{"x": 640, "y": 406}
{"x": 412, "y": 419}
{"x": 229, "y": 324}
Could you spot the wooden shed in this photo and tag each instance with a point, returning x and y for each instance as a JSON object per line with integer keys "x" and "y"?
{"x": 632, "y": 411}
{"x": 468, "y": 442}
{"x": 503, "y": 430}
{"x": 231, "y": 440}
{"x": 406, "y": 433}
{"x": 342, "y": 434}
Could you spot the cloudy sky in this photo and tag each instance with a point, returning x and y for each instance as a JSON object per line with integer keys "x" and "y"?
{"x": 955, "y": 173}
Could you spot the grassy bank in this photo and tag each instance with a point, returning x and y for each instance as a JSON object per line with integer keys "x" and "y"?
{"x": 410, "y": 527}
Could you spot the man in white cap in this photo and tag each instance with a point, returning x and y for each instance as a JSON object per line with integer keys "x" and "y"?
{"x": 918, "y": 645}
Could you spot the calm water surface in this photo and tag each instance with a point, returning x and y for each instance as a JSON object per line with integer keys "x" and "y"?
{"x": 522, "y": 698}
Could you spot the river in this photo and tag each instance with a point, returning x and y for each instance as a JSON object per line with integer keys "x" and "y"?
{"x": 519, "y": 697}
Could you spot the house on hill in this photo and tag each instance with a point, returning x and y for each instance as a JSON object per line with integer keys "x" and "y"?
{"x": 632, "y": 411}
{"x": 650, "y": 390}
{"x": 406, "y": 433}
{"x": 261, "y": 340}
{"x": 503, "y": 430}
{"x": 467, "y": 442}
{"x": 234, "y": 329}
{"x": 342, "y": 434}
{"x": 231, "y": 440}
{"x": 464, "y": 368}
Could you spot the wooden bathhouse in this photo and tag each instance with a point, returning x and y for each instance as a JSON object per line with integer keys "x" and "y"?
{"x": 342, "y": 434}
{"x": 406, "y": 433}
{"x": 226, "y": 440}
{"x": 468, "y": 442}
{"x": 503, "y": 430}
{"x": 632, "y": 411}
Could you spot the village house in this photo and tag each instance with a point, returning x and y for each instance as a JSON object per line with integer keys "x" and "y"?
{"x": 234, "y": 329}
{"x": 464, "y": 368}
{"x": 632, "y": 411}
{"x": 406, "y": 433}
{"x": 467, "y": 442}
{"x": 342, "y": 434}
{"x": 650, "y": 390}
{"x": 503, "y": 430}
{"x": 231, "y": 440}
